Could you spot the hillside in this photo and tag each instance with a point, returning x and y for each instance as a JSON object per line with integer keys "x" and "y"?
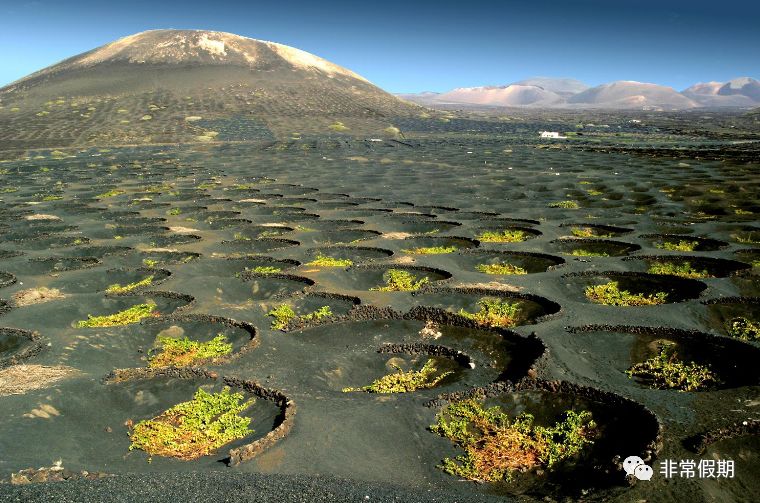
{"x": 187, "y": 85}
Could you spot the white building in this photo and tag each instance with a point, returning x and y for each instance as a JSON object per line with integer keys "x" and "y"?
{"x": 551, "y": 134}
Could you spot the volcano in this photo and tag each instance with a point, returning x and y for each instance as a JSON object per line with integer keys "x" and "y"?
{"x": 181, "y": 85}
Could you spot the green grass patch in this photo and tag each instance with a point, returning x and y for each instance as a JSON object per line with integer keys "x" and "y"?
{"x": 505, "y": 236}
{"x": 666, "y": 371}
{"x": 405, "y": 381}
{"x": 610, "y": 294}
{"x": 494, "y": 313}
{"x": 171, "y": 352}
{"x": 117, "y": 288}
{"x": 132, "y": 315}
{"x": 497, "y": 447}
{"x": 500, "y": 268}
{"x": 684, "y": 270}
{"x": 399, "y": 280}
{"x": 325, "y": 261}
{"x": 196, "y": 428}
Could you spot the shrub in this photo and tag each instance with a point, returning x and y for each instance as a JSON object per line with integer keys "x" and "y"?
{"x": 665, "y": 371}
{"x": 502, "y": 268}
{"x": 749, "y": 238}
{"x": 185, "y": 352}
{"x": 117, "y": 288}
{"x": 325, "y": 261}
{"x": 126, "y": 317}
{"x": 111, "y": 193}
{"x": 583, "y": 232}
{"x": 196, "y": 428}
{"x": 580, "y": 252}
{"x": 399, "y": 280}
{"x": 744, "y": 329}
{"x": 497, "y": 446}
{"x": 322, "y": 312}
{"x": 431, "y": 250}
{"x": 338, "y": 126}
{"x": 682, "y": 245}
{"x": 266, "y": 269}
{"x": 284, "y": 315}
{"x": 685, "y": 270}
{"x": 610, "y": 294}
{"x": 505, "y": 236}
{"x": 494, "y": 313}
{"x": 404, "y": 382}
{"x": 568, "y": 205}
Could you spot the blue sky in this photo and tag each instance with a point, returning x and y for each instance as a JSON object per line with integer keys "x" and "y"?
{"x": 413, "y": 46}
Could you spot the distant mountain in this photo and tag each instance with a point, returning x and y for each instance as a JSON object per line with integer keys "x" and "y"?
{"x": 703, "y": 89}
{"x": 548, "y": 92}
{"x": 707, "y": 95}
{"x": 563, "y": 87}
{"x": 743, "y": 86}
{"x": 161, "y": 85}
{"x": 631, "y": 94}
{"x": 535, "y": 92}
{"x": 507, "y": 96}
{"x": 423, "y": 98}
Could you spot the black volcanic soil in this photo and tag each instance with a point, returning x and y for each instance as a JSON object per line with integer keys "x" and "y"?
{"x": 129, "y": 211}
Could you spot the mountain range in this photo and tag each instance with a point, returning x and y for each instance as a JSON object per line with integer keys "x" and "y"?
{"x": 174, "y": 86}
{"x": 547, "y": 92}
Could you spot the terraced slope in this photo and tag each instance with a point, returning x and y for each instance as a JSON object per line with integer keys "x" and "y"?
{"x": 156, "y": 87}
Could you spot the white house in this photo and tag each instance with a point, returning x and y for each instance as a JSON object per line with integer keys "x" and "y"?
{"x": 551, "y": 134}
